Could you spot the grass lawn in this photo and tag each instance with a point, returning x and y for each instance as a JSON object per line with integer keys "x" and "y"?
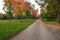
{"x": 10, "y": 28}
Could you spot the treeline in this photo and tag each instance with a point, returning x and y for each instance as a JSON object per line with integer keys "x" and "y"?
{"x": 18, "y": 9}
{"x": 28, "y": 16}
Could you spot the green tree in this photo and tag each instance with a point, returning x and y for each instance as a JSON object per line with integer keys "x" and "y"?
{"x": 8, "y": 8}
{"x": 58, "y": 10}
{"x": 53, "y": 10}
{"x": 28, "y": 14}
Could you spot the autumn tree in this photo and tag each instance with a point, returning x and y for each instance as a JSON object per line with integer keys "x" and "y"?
{"x": 20, "y": 6}
{"x": 35, "y": 13}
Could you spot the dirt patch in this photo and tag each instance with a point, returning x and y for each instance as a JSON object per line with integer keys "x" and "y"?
{"x": 54, "y": 27}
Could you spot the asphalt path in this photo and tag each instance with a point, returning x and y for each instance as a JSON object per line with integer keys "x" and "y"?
{"x": 37, "y": 31}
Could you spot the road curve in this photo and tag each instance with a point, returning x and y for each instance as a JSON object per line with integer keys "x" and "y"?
{"x": 37, "y": 31}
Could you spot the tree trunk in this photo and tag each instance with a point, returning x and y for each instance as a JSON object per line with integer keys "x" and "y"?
{"x": 9, "y": 18}
{"x": 59, "y": 17}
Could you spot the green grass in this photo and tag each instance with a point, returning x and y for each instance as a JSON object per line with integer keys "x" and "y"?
{"x": 10, "y": 28}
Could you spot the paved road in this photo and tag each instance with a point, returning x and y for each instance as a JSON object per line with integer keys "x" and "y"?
{"x": 37, "y": 31}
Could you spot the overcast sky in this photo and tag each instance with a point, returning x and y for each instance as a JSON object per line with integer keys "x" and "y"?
{"x": 32, "y": 2}
{"x": 36, "y": 5}
{"x": 1, "y": 6}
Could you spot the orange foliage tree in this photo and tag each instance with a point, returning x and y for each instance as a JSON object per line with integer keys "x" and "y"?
{"x": 35, "y": 13}
{"x": 20, "y": 6}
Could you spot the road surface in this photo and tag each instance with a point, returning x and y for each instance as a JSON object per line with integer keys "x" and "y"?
{"x": 37, "y": 31}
